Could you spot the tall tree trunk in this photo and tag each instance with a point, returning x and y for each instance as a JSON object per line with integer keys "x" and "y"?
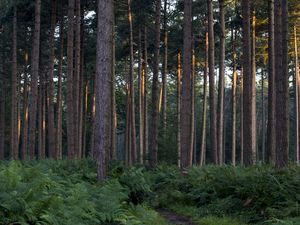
{"x": 263, "y": 119}
{"x": 34, "y": 79}
{"x": 220, "y": 122}
{"x": 25, "y": 112}
{"x": 234, "y": 78}
{"x": 271, "y": 139}
{"x": 282, "y": 82}
{"x": 51, "y": 127}
{"x": 59, "y": 91}
{"x": 2, "y": 103}
{"x": 76, "y": 78}
{"x": 193, "y": 83}
{"x": 165, "y": 69}
{"x": 203, "y": 129}
{"x": 41, "y": 150}
{"x": 141, "y": 98}
{"x": 211, "y": 64}
{"x": 155, "y": 90}
{"x": 178, "y": 106}
{"x": 103, "y": 75}
{"x": 70, "y": 83}
{"x": 297, "y": 94}
{"x": 14, "y": 96}
{"x": 133, "y": 151}
{"x": 186, "y": 101}
{"x": 253, "y": 85}
{"x": 146, "y": 149}
{"x": 113, "y": 134}
{"x": 249, "y": 146}
{"x": 242, "y": 117}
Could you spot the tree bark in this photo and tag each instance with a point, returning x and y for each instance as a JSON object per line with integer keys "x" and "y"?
{"x": 242, "y": 117}
{"x": 203, "y": 129}
{"x": 282, "y": 82}
{"x": 2, "y": 104}
{"x": 271, "y": 139}
{"x": 297, "y": 94}
{"x": 146, "y": 149}
{"x": 193, "y": 83}
{"x": 59, "y": 91}
{"x": 103, "y": 76}
{"x": 263, "y": 119}
{"x": 186, "y": 100}
{"x": 155, "y": 90}
{"x": 34, "y": 79}
{"x": 165, "y": 69}
{"x": 249, "y": 146}
{"x": 14, "y": 96}
{"x": 211, "y": 64}
{"x": 220, "y": 122}
{"x": 234, "y": 79}
{"x": 51, "y": 127}
{"x": 76, "y": 78}
{"x": 133, "y": 151}
{"x": 178, "y": 107}
{"x": 253, "y": 85}
{"x": 141, "y": 98}
{"x": 70, "y": 83}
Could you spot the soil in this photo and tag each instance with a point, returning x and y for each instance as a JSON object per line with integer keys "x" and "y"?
{"x": 174, "y": 218}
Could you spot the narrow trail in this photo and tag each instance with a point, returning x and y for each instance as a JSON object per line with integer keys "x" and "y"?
{"x": 174, "y": 218}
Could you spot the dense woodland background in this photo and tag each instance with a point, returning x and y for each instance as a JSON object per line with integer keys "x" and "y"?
{"x": 237, "y": 102}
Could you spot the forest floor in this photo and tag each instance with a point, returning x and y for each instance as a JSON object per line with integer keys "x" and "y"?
{"x": 174, "y": 218}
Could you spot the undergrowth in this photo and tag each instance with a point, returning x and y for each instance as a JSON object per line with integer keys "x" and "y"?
{"x": 67, "y": 192}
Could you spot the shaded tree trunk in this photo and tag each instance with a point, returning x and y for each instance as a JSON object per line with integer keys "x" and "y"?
{"x": 155, "y": 90}
{"x": 271, "y": 139}
{"x": 242, "y": 116}
{"x": 193, "y": 83}
{"x": 2, "y": 104}
{"x": 59, "y": 89}
{"x": 103, "y": 76}
{"x": 141, "y": 98}
{"x": 220, "y": 121}
{"x": 186, "y": 100}
{"x": 34, "y": 79}
{"x": 211, "y": 64}
{"x": 14, "y": 103}
{"x": 133, "y": 151}
{"x": 249, "y": 146}
{"x": 70, "y": 83}
{"x": 76, "y": 78}
{"x": 297, "y": 94}
{"x": 203, "y": 129}
{"x": 165, "y": 69}
{"x": 281, "y": 81}
{"x": 263, "y": 119}
{"x": 51, "y": 127}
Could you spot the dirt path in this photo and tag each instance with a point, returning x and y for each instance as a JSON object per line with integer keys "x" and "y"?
{"x": 174, "y": 218}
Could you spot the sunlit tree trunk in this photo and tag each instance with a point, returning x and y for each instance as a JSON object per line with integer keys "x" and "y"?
{"x": 263, "y": 117}
{"x": 242, "y": 117}
{"x": 34, "y": 79}
{"x": 178, "y": 106}
{"x": 193, "y": 83}
{"x": 155, "y": 90}
{"x": 203, "y": 129}
{"x": 234, "y": 79}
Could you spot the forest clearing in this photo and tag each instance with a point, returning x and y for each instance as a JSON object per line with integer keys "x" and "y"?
{"x": 149, "y": 112}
